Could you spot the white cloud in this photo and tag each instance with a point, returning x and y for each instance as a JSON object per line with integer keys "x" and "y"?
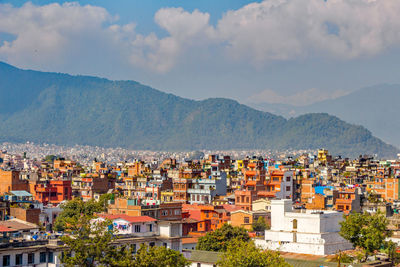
{"x": 302, "y": 98}
{"x": 257, "y": 34}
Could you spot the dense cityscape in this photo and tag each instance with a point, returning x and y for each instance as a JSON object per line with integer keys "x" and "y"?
{"x": 236, "y": 133}
{"x": 295, "y": 205}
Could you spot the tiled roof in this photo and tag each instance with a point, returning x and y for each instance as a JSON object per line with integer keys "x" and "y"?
{"x": 18, "y": 224}
{"x": 190, "y": 240}
{"x": 6, "y": 229}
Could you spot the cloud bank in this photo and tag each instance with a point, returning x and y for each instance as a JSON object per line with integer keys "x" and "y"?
{"x": 256, "y": 34}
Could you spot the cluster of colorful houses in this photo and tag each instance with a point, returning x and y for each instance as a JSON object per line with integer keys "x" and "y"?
{"x": 172, "y": 203}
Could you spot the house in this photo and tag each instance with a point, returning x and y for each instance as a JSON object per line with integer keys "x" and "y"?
{"x": 245, "y": 218}
{"x": 139, "y": 226}
{"x": 348, "y": 200}
{"x": 201, "y": 258}
{"x": 308, "y": 232}
{"x": 137, "y": 230}
{"x": 151, "y": 208}
{"x": 10, "y": 181}
{"x": 53, "y": 191}
{"x": 204, "y": 190}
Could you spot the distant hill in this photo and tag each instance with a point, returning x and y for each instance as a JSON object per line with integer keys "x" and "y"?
{"x": 376, "y": 107}
{"x": 64, "y": 109}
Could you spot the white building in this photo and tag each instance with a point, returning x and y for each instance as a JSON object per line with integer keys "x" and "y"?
{"x": 308, "y": 232}
{"x": 137, "y": 230}
{"x": 140, "y": 226}
{"x": 286, "y": 188}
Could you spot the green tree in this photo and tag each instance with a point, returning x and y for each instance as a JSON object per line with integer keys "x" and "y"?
{"x": 91, "y": 244}
{"x": 246, "y": 254}
{"x": 219, "y": 239}
{"x": 103, "y": 201}
{"x": 159, "y": 256}
{"x": 260, "y": 225}
{"x": 366, "y": 231}
{"x": 50, "y": 158}
{"x": 74, "y": 209}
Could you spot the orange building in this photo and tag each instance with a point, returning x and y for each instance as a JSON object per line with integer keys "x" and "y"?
{"x": 318, "y": 202}
{"x": 165, "y": 211}
{"x": 254, "y": 183}
{"x": 10, "y": 181}
{"x": 244, "y": 218}
{"x": 392, "y": 189}
{"x": 207, "y": 217}
{"x": 348, "y": 200}
{"x": 53, "y": 191}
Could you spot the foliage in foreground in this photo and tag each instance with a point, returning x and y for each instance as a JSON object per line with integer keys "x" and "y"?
{"x": 246, "y": 254}
{"x": 94, "y": 244}
{"x": 366, "y": 231}
{"x": 260, "y": 225}
{"x": 76, "y": 208}
{"x": 219, "y": 239}
{"x": 159, "y": 256}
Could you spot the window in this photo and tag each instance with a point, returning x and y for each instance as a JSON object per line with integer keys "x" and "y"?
{"x": 295, "y": 224}
{"x": 18, "y": 259}
{"x": 246, "y": 220}
{"x": 51, "y": 257}
{"x": 177, "y": 212}
{"x": 31, "y": 258}
{"x": 288, "y": 179}
{"x": 164, "y": 213}
{"x": 137, "y": 228}
{"x": 42, "y": 257}
{"x": 149, "y": 228}
{"x": 287, "y": 188}
{"x": 6, "y": 260}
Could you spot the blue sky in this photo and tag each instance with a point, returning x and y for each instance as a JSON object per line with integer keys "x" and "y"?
{"x": 251, "y": 51}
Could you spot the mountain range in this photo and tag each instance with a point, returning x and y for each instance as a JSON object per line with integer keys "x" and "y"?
{"x": 376, "y": 107}
{"x": 63, "y": 109}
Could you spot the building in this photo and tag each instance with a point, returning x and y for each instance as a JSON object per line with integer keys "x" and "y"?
{"x": 308, "y": 232}
{"x": 168, "y": 211}
{"x": 204, "y": 190}
{"x": 11, "y": 181}
{"x": 53, "y": 191}
{"x": 348, "y": 200}
{"x": 244, "y": 218}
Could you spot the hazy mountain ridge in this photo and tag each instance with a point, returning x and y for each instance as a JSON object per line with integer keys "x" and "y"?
{"x": 376, "y": 107}
{"x": 65, "y": 109}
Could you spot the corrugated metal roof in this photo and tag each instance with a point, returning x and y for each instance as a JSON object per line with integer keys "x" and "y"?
{"x": 21, "y": 193}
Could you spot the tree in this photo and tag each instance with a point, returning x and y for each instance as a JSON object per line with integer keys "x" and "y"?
{"x": 159, "y": 256}
{"x": 91, "y": 244}
{"x": 246, "y": 254}
{"x": 103, "y": 201}
{"x": 260, "y": 225}
{"x": 366, "y": 231}
{"x": 75, "y": 209}
{"x": 219, "y": 239}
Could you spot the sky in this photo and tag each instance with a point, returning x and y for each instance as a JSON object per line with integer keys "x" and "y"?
{"x": 275, "y": 51}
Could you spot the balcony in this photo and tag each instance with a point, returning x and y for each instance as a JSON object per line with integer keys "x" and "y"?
{"x": 199, "y": 191}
